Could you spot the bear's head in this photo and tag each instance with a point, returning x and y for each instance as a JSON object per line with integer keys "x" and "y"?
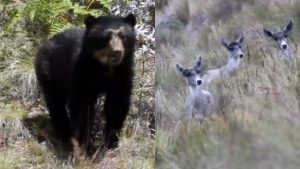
{"x": 110, "y": 38}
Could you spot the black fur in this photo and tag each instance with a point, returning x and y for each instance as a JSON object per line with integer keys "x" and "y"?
{"x": 71, "y": 79}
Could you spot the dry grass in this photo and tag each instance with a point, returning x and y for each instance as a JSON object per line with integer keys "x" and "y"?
{"x": 24, "y": 121}
{"x": 25, "y": 146}
{"x": 257, "y": 121}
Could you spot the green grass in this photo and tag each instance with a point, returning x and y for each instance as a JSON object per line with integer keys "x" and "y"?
{"x": 257, "y": 118}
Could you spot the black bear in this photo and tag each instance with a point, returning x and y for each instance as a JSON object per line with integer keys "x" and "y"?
{"x": 76, "y": 66}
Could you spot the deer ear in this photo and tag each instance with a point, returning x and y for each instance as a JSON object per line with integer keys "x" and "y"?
{"x": 289, "y": 26}
{"x": 224, "y": 43}
{"x": 198, "y": 63}
{"x": 179, "y": 68}
{"x": 268, "y": 33}
{"x": 240, "y": 39}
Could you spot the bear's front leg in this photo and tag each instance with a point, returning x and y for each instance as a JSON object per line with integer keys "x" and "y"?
{"x": 117, "y": 103}
{"x": 78, "y": 113}
{"x": 82, "y": 111}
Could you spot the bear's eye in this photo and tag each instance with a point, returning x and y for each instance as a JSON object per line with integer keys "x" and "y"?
{"x": 107, "y": 35}
{"x": 122, "y": 36}
{"x": 100, "y": 40}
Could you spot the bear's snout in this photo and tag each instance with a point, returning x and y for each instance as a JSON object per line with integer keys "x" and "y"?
{"x": 116, "y": 56}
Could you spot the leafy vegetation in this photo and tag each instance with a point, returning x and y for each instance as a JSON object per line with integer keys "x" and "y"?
{"x": 26, "y": 25}
{"x": 54, "y": 16}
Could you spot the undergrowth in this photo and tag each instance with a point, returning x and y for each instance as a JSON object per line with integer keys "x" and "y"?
{"x": 257, "y": 118}
{"x": 24, "y": 121}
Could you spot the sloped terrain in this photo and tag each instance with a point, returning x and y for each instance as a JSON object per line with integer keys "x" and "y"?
{"x": 257, "y": 120}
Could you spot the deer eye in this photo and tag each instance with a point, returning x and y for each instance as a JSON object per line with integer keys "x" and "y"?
{"x": 230, "y": 48}
{"x": 187, "y": 73}
{"x": 285, "y": 35}
{"x": 275, "y": 38}
{"x": 197, "y": 71}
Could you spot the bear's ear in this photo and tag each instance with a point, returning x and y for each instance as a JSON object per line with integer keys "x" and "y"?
{"x": 89, "y": 20}
{"x": 130, "y": 18}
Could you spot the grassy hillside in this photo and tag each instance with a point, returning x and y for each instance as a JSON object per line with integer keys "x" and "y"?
{"x": 257, "y": 122}
{"x": 24, "y": 120}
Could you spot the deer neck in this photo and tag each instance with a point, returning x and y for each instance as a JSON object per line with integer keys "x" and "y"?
{"x": 198, "y": 91}
{"x": 285, "y": 54}
{"x": 194, "y": 91}
{"x": 232, "y": 66}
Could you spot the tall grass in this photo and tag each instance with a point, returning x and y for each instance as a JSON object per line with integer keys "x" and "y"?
{"x": 257, "y": 120}
{"x": 25, "y": 135}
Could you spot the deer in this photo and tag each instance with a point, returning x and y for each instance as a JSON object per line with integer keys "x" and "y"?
{"x": 199, "y": 102}
{"x": 281, "y": 39}
{"x": 235, "y": 55}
